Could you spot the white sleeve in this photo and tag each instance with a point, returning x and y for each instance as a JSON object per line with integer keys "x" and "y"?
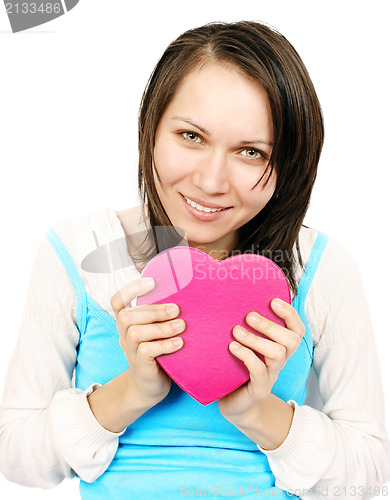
{"x": 343, "y": 450}
{"x": 47, "y": 430}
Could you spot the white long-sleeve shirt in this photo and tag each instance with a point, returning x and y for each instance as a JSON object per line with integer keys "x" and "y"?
{"x": 337, "y": 444}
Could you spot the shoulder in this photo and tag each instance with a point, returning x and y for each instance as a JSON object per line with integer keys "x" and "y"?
{"x": 336, "y": 261}
{"x": 103, "y": 229}
{"x": 82, "y": 233}
{"x": 336, "y": 288}
{"x": 96, "y": 243}
{"x": 338, "y": 265}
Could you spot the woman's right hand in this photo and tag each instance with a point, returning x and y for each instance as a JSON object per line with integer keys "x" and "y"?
{"x": 146, "y": 332}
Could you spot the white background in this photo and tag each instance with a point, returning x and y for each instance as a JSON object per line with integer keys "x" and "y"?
{"x": 69, "y": 96}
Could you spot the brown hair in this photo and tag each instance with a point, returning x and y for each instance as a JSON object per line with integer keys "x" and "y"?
{"x": 267, "y": 58}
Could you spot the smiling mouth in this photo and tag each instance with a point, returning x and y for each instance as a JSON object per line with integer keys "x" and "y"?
{"x": 202, "y": 208}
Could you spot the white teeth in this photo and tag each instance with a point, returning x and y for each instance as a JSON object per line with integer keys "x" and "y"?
{"x": 199, "y": 207}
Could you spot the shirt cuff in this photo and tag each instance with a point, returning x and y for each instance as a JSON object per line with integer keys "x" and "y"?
{"x": 83, "y": 443}
{"x": 294, "y": 437}
{"x": 89, "y": 390}
{"x": 92, "y": 388}
{"x": 309, "y": 436}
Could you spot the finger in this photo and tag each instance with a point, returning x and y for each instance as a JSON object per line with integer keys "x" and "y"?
{"x": 272, "y": 352}
{"x": 146, "y": 314}
{"x": 155, "y": 331}
{"x": 278, "y": 334}
{"x": 135, "y": 335}
{"x": 290, "y": 316}
{"x": 289, "y": 338}
{"x": 130, "y": 291}
{"x": 148, "y": 351}
{"x": 257, "y": 369}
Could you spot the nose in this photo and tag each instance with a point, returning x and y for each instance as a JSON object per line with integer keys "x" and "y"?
{"x": 211, "y": 174}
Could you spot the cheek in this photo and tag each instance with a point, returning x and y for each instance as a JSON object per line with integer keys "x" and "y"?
{"x": 171, "y": 163}
{"x": 261, "y": 194}
{"x": 269, "y": 189}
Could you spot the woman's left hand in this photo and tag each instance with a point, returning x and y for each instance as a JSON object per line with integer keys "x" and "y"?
{"x": 284, "y": 341}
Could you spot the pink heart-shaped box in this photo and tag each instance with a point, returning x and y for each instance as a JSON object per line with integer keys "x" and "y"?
{"x": 213, "y": 297}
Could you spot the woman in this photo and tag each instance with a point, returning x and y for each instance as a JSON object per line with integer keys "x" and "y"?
{"x": 230, "y": 135}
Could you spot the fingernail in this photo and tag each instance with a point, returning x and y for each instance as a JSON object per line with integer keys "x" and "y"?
{"x": 172, "y": 309}
{"x": 241, "y": 331}
{"x": 147, "y": 282}
{"x": 235, "y": 346}
{"x": 277, "y": 304}
{"x": 178, "y": 342}
{"x": 253, "y": 318}
{"x": 178, "y": 325}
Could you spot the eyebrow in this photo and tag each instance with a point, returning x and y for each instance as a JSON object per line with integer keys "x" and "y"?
{"x": 206, "y": 132}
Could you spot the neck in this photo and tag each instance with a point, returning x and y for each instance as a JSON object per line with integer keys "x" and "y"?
{"x": 221, "y": 249}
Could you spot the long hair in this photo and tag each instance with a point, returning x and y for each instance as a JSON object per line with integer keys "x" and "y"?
{"x": 266, "y": 57}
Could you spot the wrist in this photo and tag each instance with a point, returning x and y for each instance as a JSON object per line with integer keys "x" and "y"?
{"x": 117, "y": 404}
{"x": 135, "y": 397}
{"x": 267, "y": 423}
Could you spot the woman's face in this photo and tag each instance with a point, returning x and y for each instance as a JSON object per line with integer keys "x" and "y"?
{"x": 212, "y": 146}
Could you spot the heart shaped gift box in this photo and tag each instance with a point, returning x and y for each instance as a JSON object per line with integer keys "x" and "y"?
{"x": 213, "y": 297}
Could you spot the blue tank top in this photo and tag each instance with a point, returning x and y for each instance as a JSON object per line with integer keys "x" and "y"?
{"x": 179, "y": 447}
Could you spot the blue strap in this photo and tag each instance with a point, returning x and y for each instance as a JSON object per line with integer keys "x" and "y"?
{"x": 309, "y": 273}
{"x": 71, "y": 269}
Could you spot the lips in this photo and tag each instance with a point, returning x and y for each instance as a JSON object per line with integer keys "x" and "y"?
{"x": 203, "y": 205}
{"x": 205, "y": 213}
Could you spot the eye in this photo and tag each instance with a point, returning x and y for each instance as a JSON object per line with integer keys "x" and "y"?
{"x": 252, "y": 154}
{"x": 191, "y": 136}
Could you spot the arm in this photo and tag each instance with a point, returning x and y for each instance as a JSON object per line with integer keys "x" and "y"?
{"x": 343, "y": 449}
{"x": 47, "y": 431}
{"x": 145, "y": 332}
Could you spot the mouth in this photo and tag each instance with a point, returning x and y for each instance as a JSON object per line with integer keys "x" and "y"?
{"x": 203, "y": 211}
{"x": 203, "y": 208}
